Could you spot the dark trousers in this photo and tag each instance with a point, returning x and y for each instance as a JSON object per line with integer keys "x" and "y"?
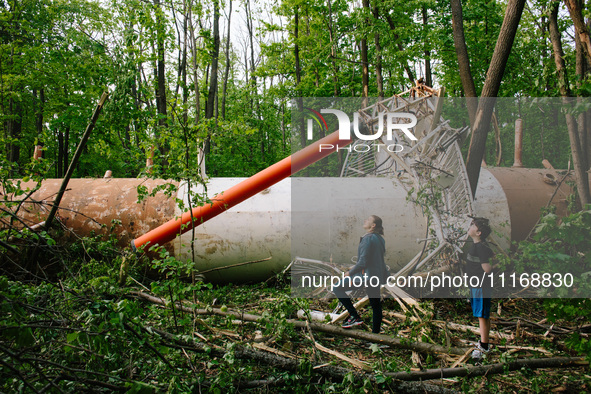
{"x": 375, "y": 301}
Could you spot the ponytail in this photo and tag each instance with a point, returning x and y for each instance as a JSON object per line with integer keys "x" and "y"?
{"x": 378, "y": 229}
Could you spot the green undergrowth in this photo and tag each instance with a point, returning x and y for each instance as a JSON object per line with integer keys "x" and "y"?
{"x": 91, "y": 326}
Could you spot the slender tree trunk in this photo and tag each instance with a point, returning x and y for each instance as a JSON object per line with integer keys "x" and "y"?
{"x": 587, "y": 70}
{"x": 581, "y": 71}
{"x": 66, "y": 149}
{"x": 39, "y": 117}
{"x": 364, "y": 64}
{"x": 556, "y": 40}
{"x": 181, "y": 60}
{"x": 333, "y": 55}
{"x": 561, "y": 73}
{"x": 215, "y": 53}
{"x": 160, "y": 67}
{"x": 379, "y": 76}
{"x": 184, "y": 69}
{"x": 253, "y": 80}
{"x": 490, "y": 90}
{"x": 60, "y": 155}
{"x": 463, "y": 59}
{"x": 581, "y": 176}
{"x": 575, "y": 9}
{"x": 161, "y": 81}
{"x": 227, "y": 69}
{"x": 195, "y": 67}
{"x": 298, "y": 72}
{"x": 213, "y": 82}
{"x": 392, "y": 25}
{"x": 428, "y": 74}
{"x": 12, "y": 124}
{"x": 14, "y": 130}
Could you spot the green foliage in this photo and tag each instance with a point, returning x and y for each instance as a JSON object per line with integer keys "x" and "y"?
{"x": 562, "y": 246}
{"x": 57, "y": 58}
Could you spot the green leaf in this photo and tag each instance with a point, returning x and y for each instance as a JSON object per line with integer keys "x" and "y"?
{"x": 71, "y": 337}
{"x": 25, "y": 337}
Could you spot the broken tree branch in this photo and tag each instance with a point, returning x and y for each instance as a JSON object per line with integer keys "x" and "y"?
{"x": 471, "y": 371}
{"x": 328, "y": 371}
{"x": 420, "y": 347}
{"x": 74, "y": 161}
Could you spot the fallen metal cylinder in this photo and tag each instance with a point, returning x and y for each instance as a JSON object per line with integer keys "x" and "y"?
{"x": 264, "y": 230}
{"x": 241, "y": 191}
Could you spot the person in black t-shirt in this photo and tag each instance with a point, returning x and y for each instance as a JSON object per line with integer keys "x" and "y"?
{"x": 477, "y": 265}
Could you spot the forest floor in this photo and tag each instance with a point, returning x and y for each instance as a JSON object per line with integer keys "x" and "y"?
{"x": 101, "y": 337}
{"x": 519, "y": 329}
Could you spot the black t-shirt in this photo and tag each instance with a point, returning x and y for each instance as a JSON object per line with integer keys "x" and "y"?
{"x": 478, "y": 254}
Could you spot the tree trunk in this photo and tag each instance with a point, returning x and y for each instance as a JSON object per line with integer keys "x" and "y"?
{"x": 561, "y": 73}
{"x": 161, "y": 81}
{"x": 298, "y": 72}
{"x": 392, "y": 25}
{"x": 575, "y": 9}
{"x": 402, "y": 343}
{"x": 428, "y": 74}
{"x": 490, "y": 369}
{"x": 227, "y": 69}
{"x": 333, "y": 55}
{"x": 213, "y": 80}
{"x": 14, "y": 130}
{"x": 463, "y": 60}
{"x": 263, "y": 357}
{"x": 60, "y": 155}
{"x": 581, "y": 176}
{"x": 74, "y": 163}
{"x": 161, "y": 68}
{"x": 39, "y": 118}
{"x": 253, "y": 81}
{"x": 491, "y": 89}
{"x": 195, "y": 67}
{"x": 364, "y": 64}
{"x": 581, "y": 71}
{"x": 215, "y": 53}
{"x": 66, "y": 150}
{"x": 379, "y": 76}
{"x": 184, "y": 68}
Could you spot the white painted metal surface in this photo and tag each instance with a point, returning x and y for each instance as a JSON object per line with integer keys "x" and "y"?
{"x": 491, "y": 202}
{"x": 253, "y": 230}
{"x": 319, "y": 218}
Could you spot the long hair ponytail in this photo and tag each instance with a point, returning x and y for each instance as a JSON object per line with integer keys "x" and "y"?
{"x": 378, "y": 229}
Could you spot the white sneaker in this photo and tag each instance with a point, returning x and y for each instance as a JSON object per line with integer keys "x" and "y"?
{"x": 479, "y": 352}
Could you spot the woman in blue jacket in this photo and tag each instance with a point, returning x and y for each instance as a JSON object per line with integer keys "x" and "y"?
{"x": 369, "y": 273}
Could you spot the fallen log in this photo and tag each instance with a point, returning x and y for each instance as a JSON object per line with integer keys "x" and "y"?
{"x": 472, "y": 329}
{"x": 326, "y": 370}
{"x": 421, "y": 347}
{"x": 471, "y": 371}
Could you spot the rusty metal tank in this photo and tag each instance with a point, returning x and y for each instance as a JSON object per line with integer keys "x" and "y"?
{"x": 260, "y": 236}
{"x": 513, "y": 199}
